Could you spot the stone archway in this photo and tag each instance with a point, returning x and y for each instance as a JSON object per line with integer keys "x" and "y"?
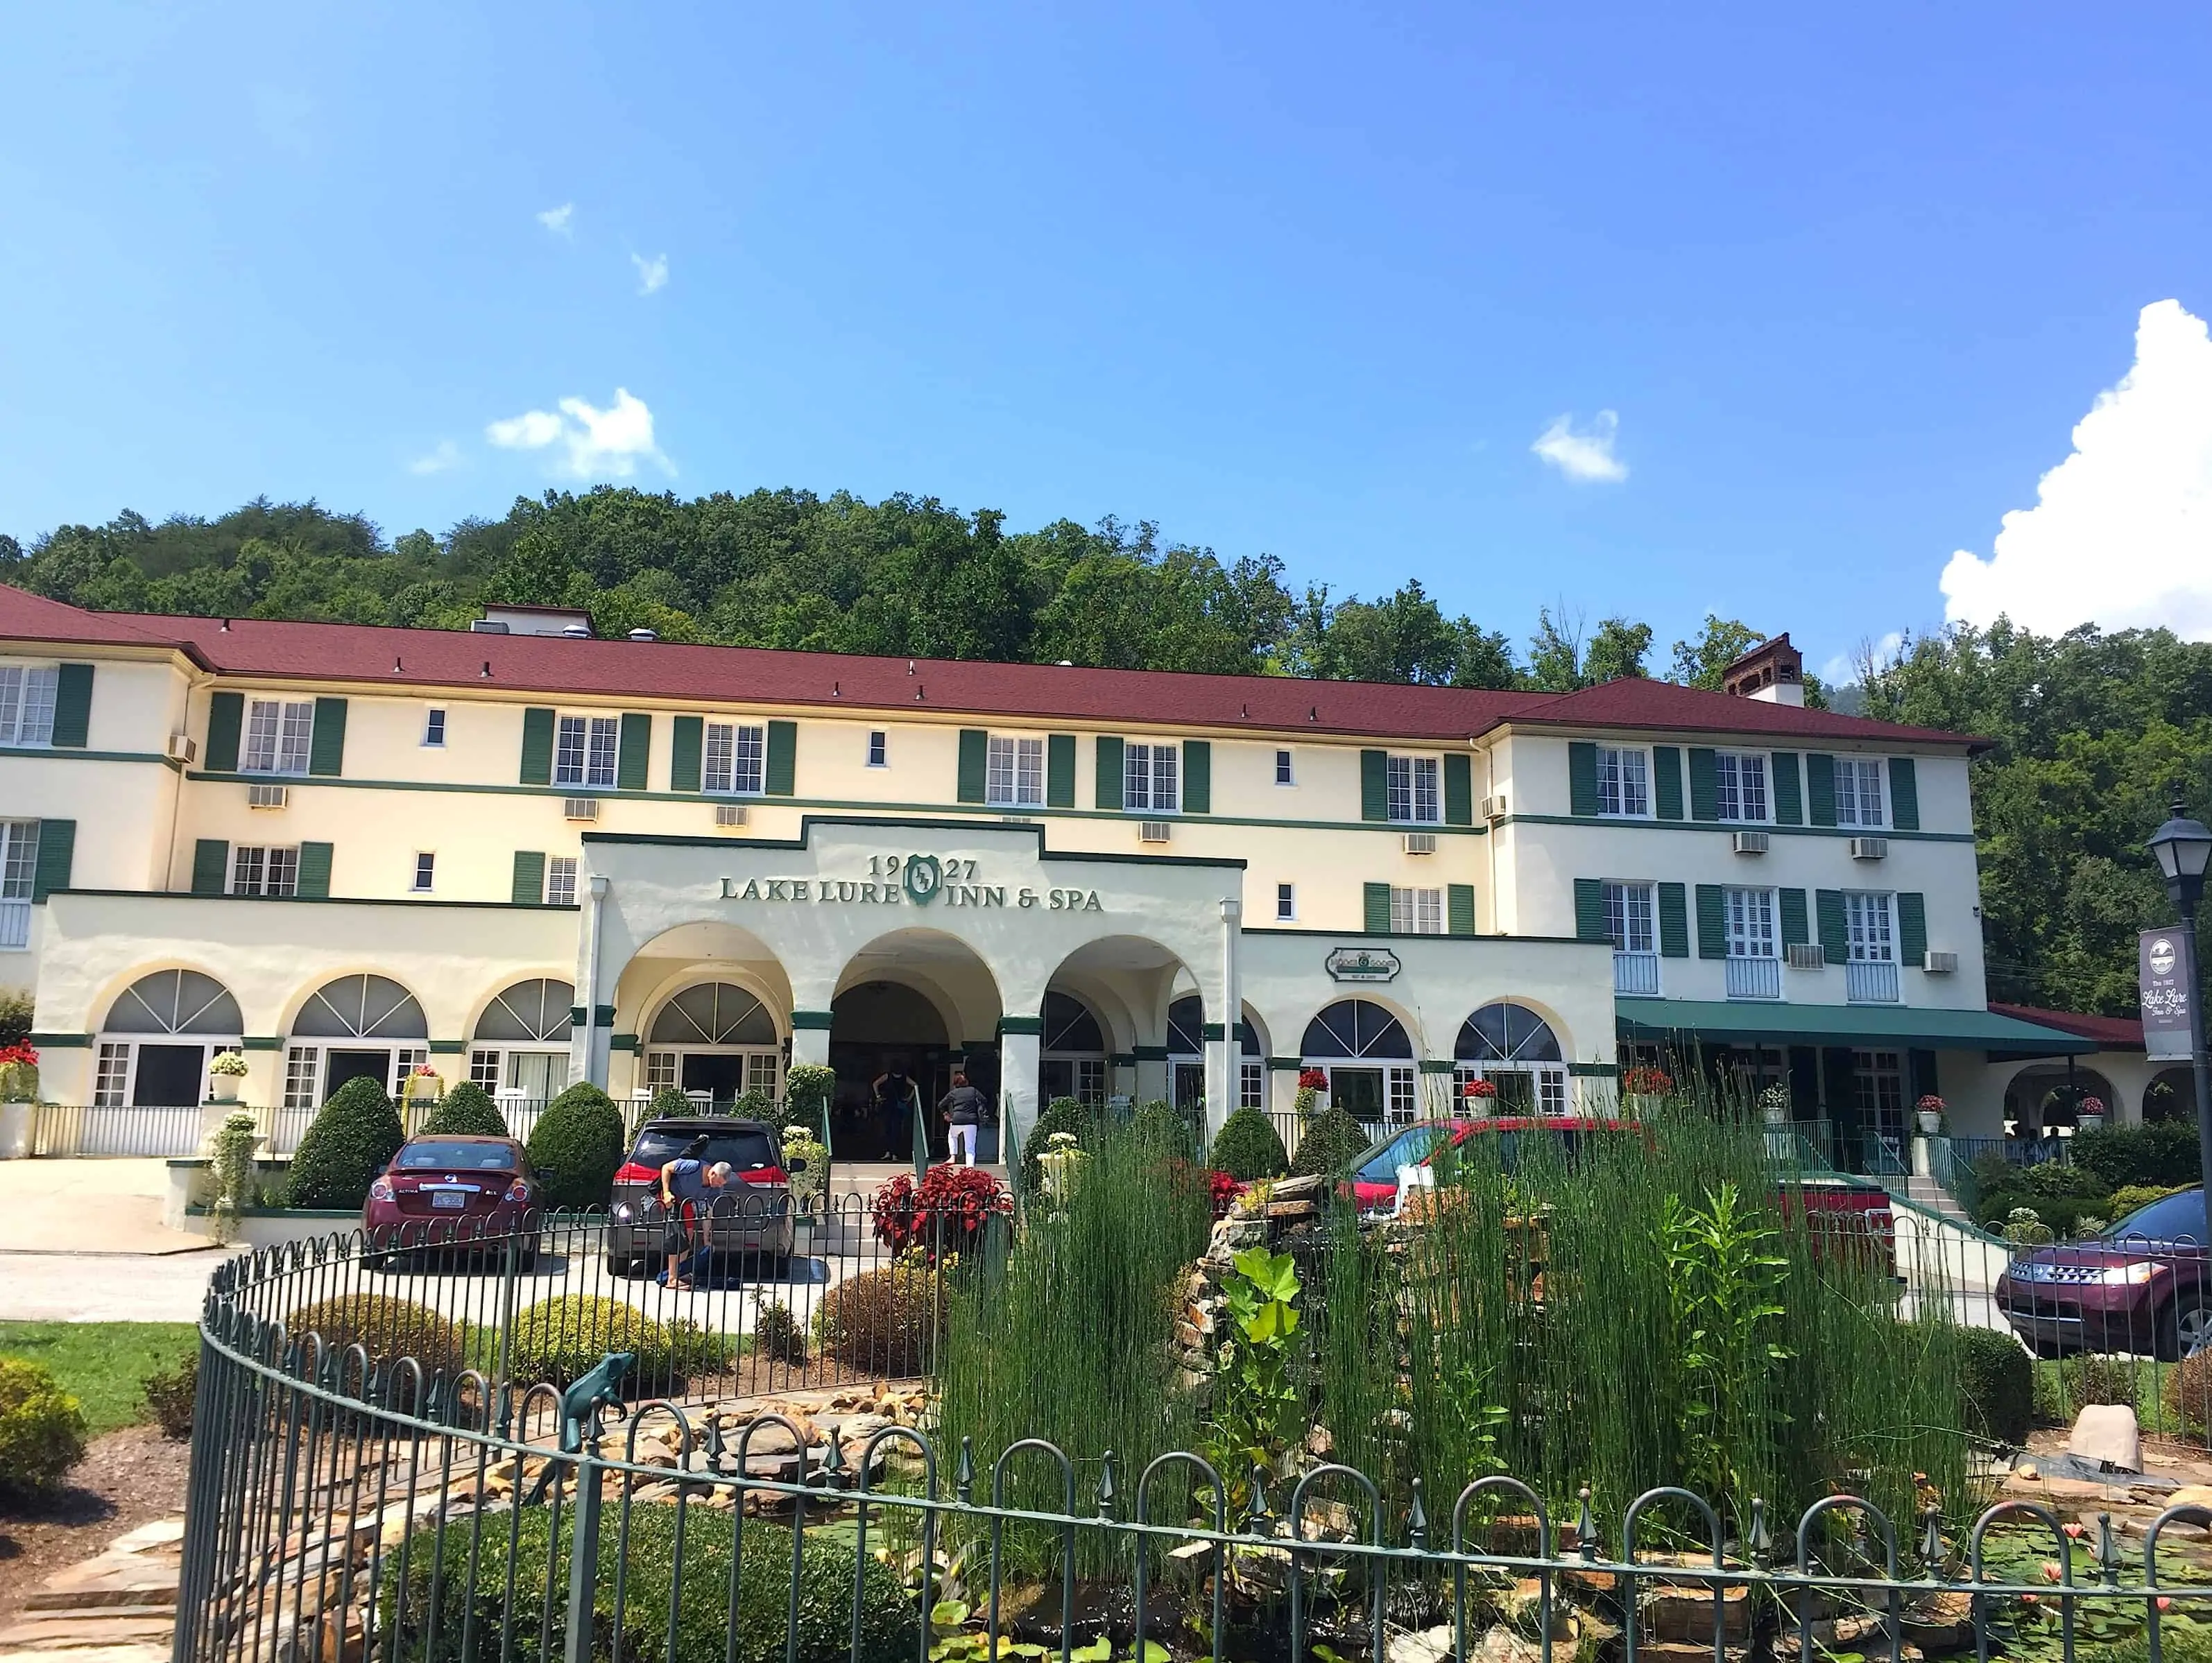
{"x": 913, "y": 1007}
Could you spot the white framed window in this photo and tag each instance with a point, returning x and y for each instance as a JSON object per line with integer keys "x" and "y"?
{"x": 1859, "y": 791}
{"x": 584, "y": 751}
{"x": 434, "y": 728}
{"x": 111, "y": 1079}
{"x": 303, "y": 1068}
{"x": 736, "y": 759}
{"x": 19, "y": 870}
{"x": 660, "y": 1071}
{"x": 26, "y": 703}
{"x": 1624, "y": 781}
{"x": 278, "y": 732}
{"x": 561, "y": 881}
{"x": 1251, "y": 1085}
{"x": 1286, "y": 903}
{"x": 1150, "y": 779}
{"x": 1417, "y": 912}
{"x": 483, "y": 1070}
{"x": 1740, "y": 784}
{"x": 1413, "y": 793}
{"x": 426, "y": 871}
{"x": 879, "y": 748}
{"x": 1631, "y": 916}
{"x": 1867, "y": 922}
{"x": 1284, "y": 773}
{"x": 1748, "y": 918}
{"x": 1013, "y": 774}
{"x": 259, "y": 869}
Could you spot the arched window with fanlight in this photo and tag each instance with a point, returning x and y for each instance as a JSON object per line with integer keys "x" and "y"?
{"x": 519, "y": 1050}
{"x": 1516, "y": 1050}
{"x": 1368, "y": 1058}
{"x": 1187, "y": 1057}
{"x": 358, "y": 1027}
{"x": 714, "y": 1041}
{"x": 1072, "y": 1052}
{"x": 157, "y": 1040}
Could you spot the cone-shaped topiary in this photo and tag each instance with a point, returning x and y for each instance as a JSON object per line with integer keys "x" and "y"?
{"x": 1332, "y": 1142}
{"x": 466, "y": 1111}
{"x": 1247, "y": 1148}
{"x": 350, "y": 1141}
{"x": 577, "y": 1145}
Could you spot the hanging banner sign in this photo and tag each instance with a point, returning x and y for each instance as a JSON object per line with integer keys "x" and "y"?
{"x": 2167, "y": 980}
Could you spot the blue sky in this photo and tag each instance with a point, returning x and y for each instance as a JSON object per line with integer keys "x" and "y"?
{"x": 1298, "y": 280}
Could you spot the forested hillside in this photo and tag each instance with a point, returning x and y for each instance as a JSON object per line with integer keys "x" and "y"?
{"x": 2093, "y": 733}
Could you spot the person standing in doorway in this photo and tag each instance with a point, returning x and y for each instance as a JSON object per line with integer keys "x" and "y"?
{"x": 962, "y": 1109}
{"x": 896, "y": 1096}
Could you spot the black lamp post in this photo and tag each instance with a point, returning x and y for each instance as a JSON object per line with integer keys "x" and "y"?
{"x": 2184, "y": 847}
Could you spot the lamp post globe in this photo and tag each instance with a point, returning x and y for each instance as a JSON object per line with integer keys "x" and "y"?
{"x": 2182, "y": 847}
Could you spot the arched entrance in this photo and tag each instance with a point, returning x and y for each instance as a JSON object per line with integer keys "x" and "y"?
{"x": 358, "y": 1027}
{"x": 2047, "y": 1098}
{"x": 714, "y": 1041}
{"x": 1186, "y": 1058}
{"x": 160, "y": 1036}
{"x": 1368, "y": 1057}
{"x": 1516, "y": 1050}
{"x": 1072, "y": 1052}
{"x": 912, "y": 1008}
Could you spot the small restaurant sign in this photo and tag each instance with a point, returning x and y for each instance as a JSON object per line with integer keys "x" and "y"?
{"x": 2167, "y": 981}
{"x": 1362, "y": 964}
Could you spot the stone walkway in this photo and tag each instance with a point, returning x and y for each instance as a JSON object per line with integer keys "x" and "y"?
{"x": 118, "y": 1608}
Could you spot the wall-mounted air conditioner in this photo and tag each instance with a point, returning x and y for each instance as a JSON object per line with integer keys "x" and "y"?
{"x": 1751, "y": 842}
{"x": 1420, "y": 842}
{"x": 1940, "y": 964}
{"x": 1493, "y": 808}
{"x": 580, "y": 808}
{"x": 181, "y": 749}
{"x": 1155, "y": 831}
{"x": 267, "y": 797}
{"x": 1869, "y": 848}
{"x": 729, "y": 814}
{"x": 1805, "y": 955}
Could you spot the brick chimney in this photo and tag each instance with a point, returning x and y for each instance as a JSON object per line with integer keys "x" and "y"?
{"x": 1773, "y": 670}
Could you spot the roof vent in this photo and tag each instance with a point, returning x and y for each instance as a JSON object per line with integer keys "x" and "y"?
{"x": 645, "y": 634}
{"x": 489, "y": 626}
{"x": 577, "y": 632}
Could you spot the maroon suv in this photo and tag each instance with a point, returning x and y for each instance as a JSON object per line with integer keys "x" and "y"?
{"x": 2144, "y": 1285}
{"x": 449, "y": 1192}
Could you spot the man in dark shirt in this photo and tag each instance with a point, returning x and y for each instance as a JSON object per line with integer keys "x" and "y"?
{"x": 685, "y": 1183}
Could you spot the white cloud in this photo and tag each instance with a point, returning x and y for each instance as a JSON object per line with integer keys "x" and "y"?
{"x": 2121, "y": 532}
{"x": 595, "y": 444}
{"x": 1584, "y": 456}
{"x": 1847, "y": 667}
{"x": 653, "y": 274}
{"x": 446, "y": 457}
{"x": 558, "y": 220}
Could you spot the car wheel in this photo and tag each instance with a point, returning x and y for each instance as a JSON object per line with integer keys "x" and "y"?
{"x": 2186, "y": 1327}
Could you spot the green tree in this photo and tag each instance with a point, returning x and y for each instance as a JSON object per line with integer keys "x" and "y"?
{"x": 1617, "y": 651}
{"x": 1698, "y": 661}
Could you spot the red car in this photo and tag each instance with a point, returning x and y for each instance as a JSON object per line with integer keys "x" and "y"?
{"x": 2145, "y": 1285}
{"x": 445, "y": 1192}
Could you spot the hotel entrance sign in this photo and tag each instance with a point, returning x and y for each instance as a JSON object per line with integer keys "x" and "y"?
{"x": 910, "y": 880}
{"x": 1362, "y": 964}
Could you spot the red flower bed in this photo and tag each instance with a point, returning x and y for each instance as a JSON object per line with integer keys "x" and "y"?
{"x": 945, "y": 1213}
{"x": 20, "y": 1053}
{"x": 1223, "y": 1191}
{"x": 1647, "y": 1083}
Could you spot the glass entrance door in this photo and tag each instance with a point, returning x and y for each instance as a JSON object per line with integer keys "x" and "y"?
{"x": 1358, "y": 1092}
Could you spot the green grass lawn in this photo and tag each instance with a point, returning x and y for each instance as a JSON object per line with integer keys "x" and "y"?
{"x": 102, "y": 1363}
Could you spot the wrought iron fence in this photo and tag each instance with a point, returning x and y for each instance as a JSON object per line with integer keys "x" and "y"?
{"x": 77, "y": 1129}
{"x": 364, "y": 1499}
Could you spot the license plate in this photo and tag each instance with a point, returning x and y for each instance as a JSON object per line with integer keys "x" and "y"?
{"x": 451, "y": 1198}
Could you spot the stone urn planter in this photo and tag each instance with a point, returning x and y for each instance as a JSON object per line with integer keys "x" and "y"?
{"x": 1931, "y": 1123}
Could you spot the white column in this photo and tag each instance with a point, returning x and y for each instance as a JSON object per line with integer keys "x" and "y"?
{"x": 1018, "y": 1090}
{"x": 588, "y": 1044}
{"x": 1222, "y": 1056}
{"x": 810, "y": 1045}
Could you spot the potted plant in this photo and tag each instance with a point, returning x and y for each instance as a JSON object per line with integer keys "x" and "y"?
{"x": 1646, "y": 1088}
{"x": 1480, "y": 1097}
{"x": 224, "y": 1073}
{"x": 1059, "y": 1164}
{"x": 1774, "y": 1105}
{"x": 2089, "y": 1114}
{"x": 1312, "y": 1081}
{"x": 1930, "y": 1109}
{"x": 807, "y": 1159}
{"x": 19, "y": 1096}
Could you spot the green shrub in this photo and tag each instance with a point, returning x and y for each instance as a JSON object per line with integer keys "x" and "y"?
{"x": 2161, "y": 1152}
{"x": 561, "y": 1340}
{"x": 385, "y": 1327}
{"x": 42, "y": 1429}
{"x": 169, "y": 1394}
{"x": 2061, "y": 1215}
{"x": 670, "y": 1104}
{"x": 777, "y": 1335}
{"x": 885, "y": 1322}
{"x": 466, "y": 1111}
{"x": 2098, "y": 1380}
{"x": 576, "y": 1146}
{"x": 2186, "y": 1394}
{"x": 475, "y": 1575}
{"x": 15, "y": 1019}
{"x": 350, "y": 1141}
{"x": 1247, "y": 1148}
{"x": 1163, "y": 1132}
{"x": 1997, "y": 1383}
{"x": 1060, "y": 1114}
{"x": 1332, "y": 1141}
{"x": 2131, "y": 1196}
{"x": 754, "y": 1105}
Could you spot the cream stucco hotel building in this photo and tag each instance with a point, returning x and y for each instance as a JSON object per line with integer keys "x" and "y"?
{"x": 528, "y": 856}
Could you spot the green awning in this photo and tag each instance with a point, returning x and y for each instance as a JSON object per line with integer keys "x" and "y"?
{"x": 1733, "y": 1022}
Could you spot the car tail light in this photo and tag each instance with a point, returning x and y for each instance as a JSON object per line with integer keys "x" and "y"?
{"x": 380, "y": 1190}
{"x": 519, "y": 1190}
{"x": 632, "y": 1173}
{"x": 762, "y": 1175}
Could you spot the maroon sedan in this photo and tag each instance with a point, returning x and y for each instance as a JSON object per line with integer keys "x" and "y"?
{"x": 2144, "y": 1285}
{"x": 451, "y": 1192}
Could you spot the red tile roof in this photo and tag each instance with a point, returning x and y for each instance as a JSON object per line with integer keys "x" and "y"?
{"x": 2110, "y": 1032}
{"x": 555, "y": 666}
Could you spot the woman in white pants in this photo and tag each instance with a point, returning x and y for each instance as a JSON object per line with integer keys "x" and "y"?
{"x": 962, "y": 1108}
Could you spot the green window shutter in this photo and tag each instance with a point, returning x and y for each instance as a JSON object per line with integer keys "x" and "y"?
{"x": 536, "y": 746}
{"x": 1795, "y": 925}
{"x": 1835, "y": 935}
{"x": 327, "y": 744}
{"x": 1059, "y": 771}
{"x": 1459, "y": 908}
{"x": 1197, "y": 776}
{"x": 1375, "y": 901}
{"x": 1673, "y": 920}
{"x": 1820, "y": 789}
{"x": 56, "y": 856}
{"x": 225, "y": 716}
{"x": 1788, "y": 796}
{"x": 780, "y": 777}
{"x": 633, "y": 761}
{"x": 1704, "y": 787}
{"x": 974, "y": 763}
{"x": 1666, "y": 781}
{"x": 686, "y": 740}
{"x": 1590, "y": 910}
{"x": 1459, "y": 789}
{"x": 210, "y": 866}
{"x": 1108, "y": 788}
{"x": 1904, "y": 788}
{"x": 1582, "y": 778}
{"x": 72, "y": 707}
{"x": 529, "y": 877}
{"x": 1373, "y": 785}
{"x": 314, "y": 871}
{"x": 1712, "y": 926}
{"x": 1913, "y": 928}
